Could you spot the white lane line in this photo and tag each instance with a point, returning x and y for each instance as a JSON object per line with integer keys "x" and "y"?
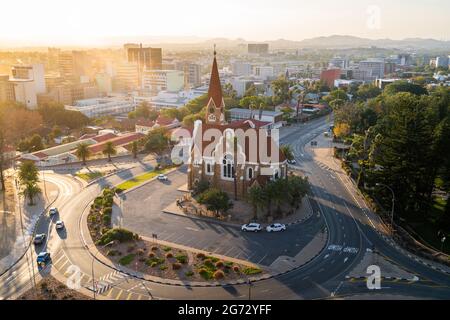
{"x": 345, "y": 260}
{"x": 326, "y": 256}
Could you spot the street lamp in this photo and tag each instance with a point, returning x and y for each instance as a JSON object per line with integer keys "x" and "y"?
{"x": 92, "y": 266}
{"x": 393, "y": 202}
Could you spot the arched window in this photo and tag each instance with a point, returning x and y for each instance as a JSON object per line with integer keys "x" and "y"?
{"x": 276, "y": 174}
{"x": 250, "y": 173}
{"x": 227, "y": 167}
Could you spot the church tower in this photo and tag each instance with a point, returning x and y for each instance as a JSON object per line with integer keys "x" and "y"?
{"x": 215, "y": 109}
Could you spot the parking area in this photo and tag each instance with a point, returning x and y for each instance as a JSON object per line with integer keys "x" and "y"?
{"x": 141, "y": 212}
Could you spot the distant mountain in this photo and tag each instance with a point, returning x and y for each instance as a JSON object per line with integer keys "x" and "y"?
{"x": 342, "y": 41}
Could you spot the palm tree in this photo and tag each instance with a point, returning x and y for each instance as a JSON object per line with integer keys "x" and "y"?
{"x": 135, "y": 149}
{"x": 28, "y": 173}
{"x": 83, "y": 152}
{"x": 256, "y": 198}
{"x": 30, "y": 191}
{"x": 287, "y": 151}
{"x": 109, "y": 150}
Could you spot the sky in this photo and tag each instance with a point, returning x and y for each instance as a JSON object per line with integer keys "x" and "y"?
{"x": 85, "y": 22}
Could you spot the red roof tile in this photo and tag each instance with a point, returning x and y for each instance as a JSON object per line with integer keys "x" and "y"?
{"x": 104, "y": 137}
{"x": 117, "y": 141}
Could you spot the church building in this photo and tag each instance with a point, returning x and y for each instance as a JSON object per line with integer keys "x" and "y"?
{"x": 232, "y": 156}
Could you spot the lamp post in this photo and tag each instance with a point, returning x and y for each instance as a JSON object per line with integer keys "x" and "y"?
{"x": 92, "y": 266}
{"x": 393, "y": 202}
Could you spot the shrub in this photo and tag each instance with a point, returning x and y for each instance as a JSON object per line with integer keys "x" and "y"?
{"x": 189, "y": 274}
{"x": 205, "y": 274}
{"x": 176, "y": 266}
{"x": 98, "y": 202}
{"x": 163, "y": 267}
{"x": 112, "y": 253}
{"x": 219, "y": 275}
{"x": 119, "y": 190}
{"x": 127, "y": 259}
{"x": 200, "y": 255}
{"x": 154, "y": 248}
{"x": 107, "y": 210}
{"x": 181, "y": 258}
{"x": 213, "y": 259}
{"x": 219, "y": 264}
{"x": 151, "y": 255}
{"x": 106, "y": 219}
{"x": 169, "y": 255}
{"x": 208, "y": 262}
{"x": 167, "y": 249}
{"x": 236, "y": 269}
{"x": 153, "y": 262}
{"x": 117, "y": 234}
{"x": 140, "y": 252}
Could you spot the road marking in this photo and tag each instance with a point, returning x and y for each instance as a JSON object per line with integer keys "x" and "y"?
{"x": 345, "y": 260}
{"x": 119, "y": 294}
{"x": 326, "y": 256}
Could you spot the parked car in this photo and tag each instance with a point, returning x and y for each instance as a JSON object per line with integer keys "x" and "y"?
{"x": 39, "y": 238}
{"x": 292, "y": 161}
{"x": 255, "y": 227}
{"x": 53, "y": 211}
{"x": 314, "y": 143}
{"x": 59, "y": 225}
{"x": 276, "y": 227}
{"x": 162, "y": 177}
{"x": 43, "y": 258}
{"x": 326, "y": 134}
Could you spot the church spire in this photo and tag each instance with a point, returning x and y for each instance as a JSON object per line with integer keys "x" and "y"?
{"x": 215, "y": 107}
{"x": 215, "y": 88}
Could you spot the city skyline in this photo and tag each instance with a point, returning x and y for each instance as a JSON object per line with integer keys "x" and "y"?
{"x": 252, "y": 20}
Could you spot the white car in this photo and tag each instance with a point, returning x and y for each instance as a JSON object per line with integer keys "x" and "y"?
{"x": 52, "y": 211}
{"x": 276, "y": 227}
{"x": 162, "y": 177}
{"x": 292, "y": 161}
{"x": 255, "y": 227}
{"x": 59, "y": 225}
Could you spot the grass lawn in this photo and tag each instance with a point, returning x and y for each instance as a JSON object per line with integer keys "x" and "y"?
{"x": 90, "y": 175}
{"x": 127, "y": 259}
{"x": 140, "y": 179}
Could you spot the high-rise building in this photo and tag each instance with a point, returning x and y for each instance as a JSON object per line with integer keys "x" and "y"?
{"x": 264, "y": 72}
{"x": 258, "y": 48}
{"x": 72, "y": 65}
{"x": 442, "y": 61}
{"x": 126, "y": 77}
{"x": 6, "y": 89}
{"x": 192, "y": 73}
{"x": 147, "y": 58}
{"x": 339, "y": 63}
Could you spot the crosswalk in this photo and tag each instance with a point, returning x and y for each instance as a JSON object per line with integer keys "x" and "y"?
{"x": 107, "y": 285}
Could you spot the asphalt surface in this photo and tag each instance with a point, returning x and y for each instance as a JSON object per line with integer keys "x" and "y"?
{"x": 350, "y": 227}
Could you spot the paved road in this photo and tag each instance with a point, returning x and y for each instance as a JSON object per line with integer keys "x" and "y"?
{"x": 142, "y": 213}
{"x": 351, "y": 231}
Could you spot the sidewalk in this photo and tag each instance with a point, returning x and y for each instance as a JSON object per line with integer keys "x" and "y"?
{"x": 26, "y": 218}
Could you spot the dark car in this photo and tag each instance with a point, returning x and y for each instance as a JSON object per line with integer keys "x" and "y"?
{"x": 43, "y": 258}
{"x": 39, "y": 238}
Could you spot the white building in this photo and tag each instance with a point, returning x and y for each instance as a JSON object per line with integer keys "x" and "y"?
{"x": 33, "y": 72}
{"x": 373, "y": 67}
{"x": 241, "y": 68}
{"x": 241, "y": 84}
{"x": 103, "y": 106}
{"x": 162, "y": 80}
{"x": 273, "y": 118}
{"x": 264, "y": 72}
{"x": 25, "y": 92}
{"x": 166, "y": 99}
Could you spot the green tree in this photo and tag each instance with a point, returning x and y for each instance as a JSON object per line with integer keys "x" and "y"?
{"x": 83, "y": 152}
{"x": 287, "y": 151}
{"x": 28, "y": 172}
{"x": 135, "y": 149}
{"x": 109, "y": 150}
{"x": 30, "y": 190}
{"x": 156, "y": 140}
{"x": 256, "y": 198}
{"x": 367, "y": 91}
{"x": 280, "y": 89}
{"x": 297, "y": 187}
{"x": 216, "y": 200}
{"x": 404, "y": 86}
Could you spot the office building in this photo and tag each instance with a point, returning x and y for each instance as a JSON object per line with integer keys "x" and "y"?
{"x": 329, "y": 76}
{"x": 154, "y": 81}
{"x": 126, "y": 77}
{"x": 147, "y": 58}
{"x": 103, "y": 106}
{"x": 264, "y": 72}
{"x": 373, "y": 67}
{"x": 241, "y": 68}
{"x": 192, "y": 73}
{"x": 33, "y": 72}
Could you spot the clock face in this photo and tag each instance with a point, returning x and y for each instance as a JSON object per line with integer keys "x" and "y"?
{"x": 211, "y": 118}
